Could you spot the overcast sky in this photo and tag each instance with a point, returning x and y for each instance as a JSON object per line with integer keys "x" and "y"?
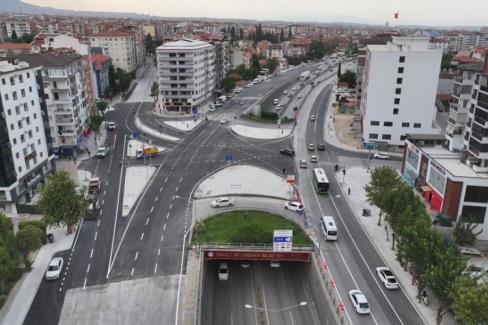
{"x": 422, "y": 12}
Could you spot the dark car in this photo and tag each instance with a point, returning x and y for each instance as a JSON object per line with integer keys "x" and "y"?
{"x": 287, "y": 152}
{"x": 321, "y": 147}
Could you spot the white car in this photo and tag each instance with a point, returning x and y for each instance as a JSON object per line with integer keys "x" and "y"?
{"x": 218, "y": 104}
{"x": 276, "y": 101}
{"x": 294, "y": 206}
{"x": 359, "y": 302}
{"x": 381, "y": 155}
{"x": 102, "y": 152}
{"x": 313, "y": 159}
{"x": 245, "y": 264}
{"x": 212, "y": 108}
{"x": 54, "y": 268}
{"x": 222, "y": 202}
{"x": 223, "y": 271}
{"x": 303, "y": 163}
{"x": 274, "y": 264}
{"x": 387, "y": 277}
{"x": 299, "y": 96}
{"x": 285, "y": 92}
{"x": 111, "y": 126}
{"x": 237, "y": 90}
{"x": 223, "y": 120}
{"x": 249, "y": 85}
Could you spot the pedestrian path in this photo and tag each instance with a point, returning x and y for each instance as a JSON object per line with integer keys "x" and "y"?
{"x": 353, "y": 183}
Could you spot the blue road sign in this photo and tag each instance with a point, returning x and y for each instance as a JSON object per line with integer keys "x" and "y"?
{"x": 135, "y": 134}
{"x": 228, "y": 157}
{"x": 281, "y": 239}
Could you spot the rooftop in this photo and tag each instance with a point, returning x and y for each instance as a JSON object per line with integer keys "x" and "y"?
{"x": 7, "y": 66}
{"x": 184, "y": 43}
{"x": 49, "y": 59}
{"x": 15, "y": 46}
{"x": 115, "y": 33}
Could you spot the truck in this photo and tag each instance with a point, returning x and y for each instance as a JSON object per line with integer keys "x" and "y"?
{"x": 147, "y": 151}
{"x": 304, "y": 75}
{"x": 93, "y": 188}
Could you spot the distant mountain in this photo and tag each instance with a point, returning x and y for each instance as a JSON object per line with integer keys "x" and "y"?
{"x": 17, "y": 6}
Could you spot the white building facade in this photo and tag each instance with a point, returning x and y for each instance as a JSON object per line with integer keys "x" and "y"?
{"x": 186, "y": 71}
{"x": 121, "y": 46}
{"x": 399, "y": 89}
{"x": 24, "y": 159}
{"x": 7, "y": 27}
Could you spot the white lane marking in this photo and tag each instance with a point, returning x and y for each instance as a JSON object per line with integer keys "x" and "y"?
{"x": 91, "y": 253}
{"x": 106, "y": 184}
{"x": 156, "y": 198}
{"x": 162, "y": 237}
{"x": 181, "y": 178}
{"x": 137, "y": 255}
{"x": 101, "y": 210}
{"x": 347, "y": 266}
{"x": 88, "y": 268}
{"x": 155, "y": 268}
{"x": 132, "y": 272}
{"x": 170, "y": 206}
{"x": 152, "y": 208}
{"x": 147, "y": 221}
{"x": 167, "y": 215}
{"x": 164, "y": 228}
{"x": 291, "y": 317}
{"x": 96, "y": 235}
{"x": 159, "y": 251}
{"x": 161, "y": 189}
{"x": 142, "y": 236}
{"x": 177, "y": 187}
{"x": 264, "y": 301}
{"x": 98, "y": 223}
{"x": 166, "y": 179}
{"x": 104, "y": 192}
{"x": 103, "y": 202}
{"x": 366, "y": 264}
{"x": 84, "y": 283}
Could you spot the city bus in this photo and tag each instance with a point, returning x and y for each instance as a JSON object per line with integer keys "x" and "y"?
{"x": 320, "y": 181}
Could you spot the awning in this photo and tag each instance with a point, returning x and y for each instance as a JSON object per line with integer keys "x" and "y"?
{"x": 426, "y": 188}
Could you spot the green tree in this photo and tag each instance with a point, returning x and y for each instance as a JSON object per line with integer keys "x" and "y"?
{"x": 96, "y": 122}
{"x": 229, "y": 84}
{"x": 383, "y": 180}
{"x": 465, "y": 232}
{"x": 339, "y": 70}
{"x": 60, "y": 203}
{"x": 441, "y": 274}
{"x": 273, "y": 65}
{"x": 290, "y": 36}
{"x": 13, "y": 37}
{"x": 112, "y": 81}
{"x": 102, "y": 106}
{"x": 154, "y": 90}
{"x": 469, "y": 301}
{"x": 349, "y": 77}
{"x": 446, "y": 61}
{"x": 28, "y": 239}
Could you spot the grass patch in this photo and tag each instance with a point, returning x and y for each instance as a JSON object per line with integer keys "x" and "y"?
{"x": 226, "y": 227}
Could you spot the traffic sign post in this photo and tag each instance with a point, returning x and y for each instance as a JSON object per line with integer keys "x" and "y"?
{"x": 282, "y": 240}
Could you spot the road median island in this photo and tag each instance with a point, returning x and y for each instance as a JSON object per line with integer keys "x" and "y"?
{"x": 237, "y": 226}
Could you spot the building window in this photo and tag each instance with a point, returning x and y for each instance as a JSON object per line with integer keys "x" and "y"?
{"x": 30, "y": 89}
{"x": 14, "y": 140}
{"x": 405, "y": 125}
{"x": 403, "y": 137}
{"x": 375, "y": 123}
{"x": 399, "y": 81}
{"x": 473, "y": 214}
{"x": 401, "y": 59}
{"x": 6, "y": 96}
{"x": 22, "y": 92}
{"x": 373, "y": 135}
{"x": 476, "y": 194}
{"x": 19, "y": 123}
{"x": 22, "y": 138}
{"x": 20, "y": 169}
{"x": 3, "y": 81}
{"x": 12, "y": 126}
{"x": 9, "y": 111}
{"x": 14, "y": 95}
{"x": 32, "y": 102}
{"x": 21, "y": 78}
{"x": 28, "y": 75}
{"x": 400, "y": 69}
{"x": 387, "y": 123}
{"x": 398, "y": 91}
{"x": 396, "y": 101}
{"x": 395, "y": 111}
{"x": 12, "y": 81}
{"x": 417, "y": 125}
{"x": 35, "y": 116}
{"x": 386, "y": 137}
{"x": 17, "y": 155}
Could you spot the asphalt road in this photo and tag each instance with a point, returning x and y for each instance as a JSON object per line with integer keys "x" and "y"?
{"x": 280, "y": 288}
{"x": 353, "y": 258}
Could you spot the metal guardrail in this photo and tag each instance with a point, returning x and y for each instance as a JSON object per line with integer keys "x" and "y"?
{"x": 251, "y": 246}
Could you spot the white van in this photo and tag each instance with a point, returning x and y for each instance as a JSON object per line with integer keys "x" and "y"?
{"x": 329, "y": 228}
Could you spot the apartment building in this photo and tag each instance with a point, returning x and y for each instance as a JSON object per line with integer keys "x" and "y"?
{"x": 101, "y": 64}
{"x": 399, "y": 89}
{"x": 24, "y": 159}
{"x": 222, "y": 56}
{"x": 186, "y": 71}
{"x": 120, "y": 45}
{"x": 447, "y": 181}
{"x": 8, "y": 26}
{"x": 64, "y": 85}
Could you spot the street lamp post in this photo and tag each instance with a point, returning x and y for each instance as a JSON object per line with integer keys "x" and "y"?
{"x": 301, "y": 304}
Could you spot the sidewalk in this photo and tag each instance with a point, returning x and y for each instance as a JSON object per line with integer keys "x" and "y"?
{"x": 355, "y": 179}
{"x": 89, "y": 145}
{"x": 20, "y": 298}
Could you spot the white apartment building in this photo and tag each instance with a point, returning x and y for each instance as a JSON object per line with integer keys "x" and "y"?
{"x": 186, "y": 70}
{"x": 120, "y": 45}
{"x": 7, "y": 27}
{"x": 65, "y": 92}
{"x": 24, "y": 160}
{"x": 398, "y": 90}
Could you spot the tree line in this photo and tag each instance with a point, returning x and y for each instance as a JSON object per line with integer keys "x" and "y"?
{"x": 434, "y": 260}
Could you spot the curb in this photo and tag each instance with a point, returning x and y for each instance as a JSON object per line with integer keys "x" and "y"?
{"x": 258, "y": 139}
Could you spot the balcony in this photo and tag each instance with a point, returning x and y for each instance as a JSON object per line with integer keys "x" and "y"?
{"x": 484, "y": 89}
{"x": 482, "y": 104}
{"x": 458, "y": 119}
{"x": 65, "y": 121}
{"x": 481, "y": 121}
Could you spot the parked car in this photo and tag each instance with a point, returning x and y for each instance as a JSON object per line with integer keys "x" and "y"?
{"x": 102, "y": 152}
{"x": 311, "y": 147}
{"x": 294, "y": 206}
{"x": 111, "y": 126}
{"x": 381, "y": 155}
{"x": 359, "y": 302}
{"x": 321, "y": 147}
{"x": 313, "y": 159}
{"x": 223, "y": 271}
{"x": 54, "y": 268}
{"x": 303, "y": 163}
{"x": 287, "y": 152}
{"x": 222, "y": 202}
{"x": 387, "y": 277}
{"x": 274, "y": 264}
{"x": 312, "y": 118}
